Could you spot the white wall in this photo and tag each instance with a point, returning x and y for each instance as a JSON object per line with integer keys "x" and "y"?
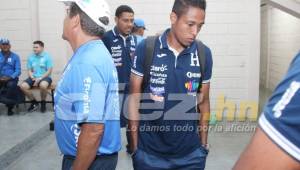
{"x": 232, "y": 31}
{"x": 51, "y": 14}
{"x": 264, "y": 46}
{"x": 283, "y": 44}
{"x": 16, "y": 19}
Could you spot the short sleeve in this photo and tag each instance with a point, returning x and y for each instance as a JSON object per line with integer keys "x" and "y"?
{"x": 29, "y": 63}
{"x": 105, "y": 40}
{"x": 89, "y": 84}
{"x": 208, "y": 66}
{"x": 281, "y": 116}
{"x": 138, "y": 60}
{"x": 49, "y": 63}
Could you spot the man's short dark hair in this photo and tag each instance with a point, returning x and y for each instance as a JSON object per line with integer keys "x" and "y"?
{"x": 40, "y": 43}
{"x": 181, "y": 6}
{"x": 87, "y": 24}
{"x": 123, "y": 8}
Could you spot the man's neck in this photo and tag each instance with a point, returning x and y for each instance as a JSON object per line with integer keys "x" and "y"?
{"x": 122, "y": 34}
{"x": 6, "y": 54}
{"x": 174, "y": 43}
{"x": 80, "y": 40}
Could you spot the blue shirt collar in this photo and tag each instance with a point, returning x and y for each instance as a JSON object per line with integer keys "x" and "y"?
{"x": 117, "y": 33}
{"x": 42, "y": 54}
{"x": 164, "y": 43}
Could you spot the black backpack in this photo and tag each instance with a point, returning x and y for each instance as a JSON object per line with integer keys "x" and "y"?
{"x": 150, "y": 45}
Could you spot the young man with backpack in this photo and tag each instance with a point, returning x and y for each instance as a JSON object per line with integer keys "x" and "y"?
{"x": 173, "y": 72}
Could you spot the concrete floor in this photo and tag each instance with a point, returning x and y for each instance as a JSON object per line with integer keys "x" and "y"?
{"x": 227, "y": 142}
{"x": 20, "y": 126}
{"x": 226, "y": 148}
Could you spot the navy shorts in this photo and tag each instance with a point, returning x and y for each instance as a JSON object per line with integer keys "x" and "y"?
{"x": 145, "y": 161}
{"x": 104, "y": 162}
{"x": 30, "y": 82}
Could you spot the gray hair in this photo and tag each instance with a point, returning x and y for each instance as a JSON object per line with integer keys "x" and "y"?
{"x": 87, "y": 24}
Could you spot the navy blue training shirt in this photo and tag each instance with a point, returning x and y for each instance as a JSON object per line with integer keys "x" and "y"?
{"x": 173, "y": 77}
{"x": 122, "y": 50}
{"x": 281, "y": 116}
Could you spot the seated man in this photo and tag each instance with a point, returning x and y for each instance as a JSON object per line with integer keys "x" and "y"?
{"x": 39, "y": 65}
{"x": 10, "y": 70}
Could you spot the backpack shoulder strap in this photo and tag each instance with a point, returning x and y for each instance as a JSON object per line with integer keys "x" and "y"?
{"x": 150, "y": 45}
{"x": 201, "y": 57}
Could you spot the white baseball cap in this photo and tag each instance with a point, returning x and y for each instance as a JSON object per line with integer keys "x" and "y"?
{"x": 95, "y": 9}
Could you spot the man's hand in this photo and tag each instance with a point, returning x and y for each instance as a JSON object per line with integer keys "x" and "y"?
{"x": 5, "y": 79}
{"x": 37, "y": 81}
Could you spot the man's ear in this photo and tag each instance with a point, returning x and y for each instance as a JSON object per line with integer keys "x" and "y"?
{"x": 75, "y": 21}
{"x": 173, "y": 18}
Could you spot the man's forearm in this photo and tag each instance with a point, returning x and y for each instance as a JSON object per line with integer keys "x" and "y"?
{"x": 30, "y": 74}
{"x": 204, "y": 121}
{"x": 133, "y": 127}
{"x": 133, "y": 123}
{"x": 88, "y": 144}
{"x": 47, "y": 74}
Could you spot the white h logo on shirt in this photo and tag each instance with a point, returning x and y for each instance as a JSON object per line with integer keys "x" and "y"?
{"x": 194, "y": 60}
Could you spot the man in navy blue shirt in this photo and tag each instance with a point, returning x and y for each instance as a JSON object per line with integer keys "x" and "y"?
{"x": 10, "y": 70}
{"x": 87, "y": 118}
{"x": 166, "y": 130}
{"x": 276, "y": 143}
{"x": 121, "y": 44}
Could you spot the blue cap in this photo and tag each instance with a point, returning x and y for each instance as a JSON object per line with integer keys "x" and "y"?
{"x": 5, "y": 41}
{"x": 139, "y": 23}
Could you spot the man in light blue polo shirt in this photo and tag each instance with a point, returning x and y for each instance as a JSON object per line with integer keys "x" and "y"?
{"x": 39, "y": 66}
{"x": 87, "y": 119}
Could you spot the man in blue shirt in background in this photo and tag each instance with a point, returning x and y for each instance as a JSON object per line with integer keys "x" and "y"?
{"x": 139, "y": 29}
{"x": 40, "y": 66}
{"x": 10, "y": 70}
{"x": 121, "y": 44}
{"x": 87, "y": 118}
{"x": 170, "y": 133}
{"x": 276, "y": 142}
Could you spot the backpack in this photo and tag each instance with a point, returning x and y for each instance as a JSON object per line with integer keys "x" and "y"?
{"x": 150, "y": 45}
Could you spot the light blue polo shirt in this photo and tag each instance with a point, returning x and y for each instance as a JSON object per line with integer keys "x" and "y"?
{"x": 39, "y": 64}
{"x": 88, "y": 93}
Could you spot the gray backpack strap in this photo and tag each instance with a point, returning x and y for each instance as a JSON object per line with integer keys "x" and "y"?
{"x": 150, "y": 45}
{"x": 202, "y": 58}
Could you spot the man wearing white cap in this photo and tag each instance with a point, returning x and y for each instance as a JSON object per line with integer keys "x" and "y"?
{"x": 87, "y": 120}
